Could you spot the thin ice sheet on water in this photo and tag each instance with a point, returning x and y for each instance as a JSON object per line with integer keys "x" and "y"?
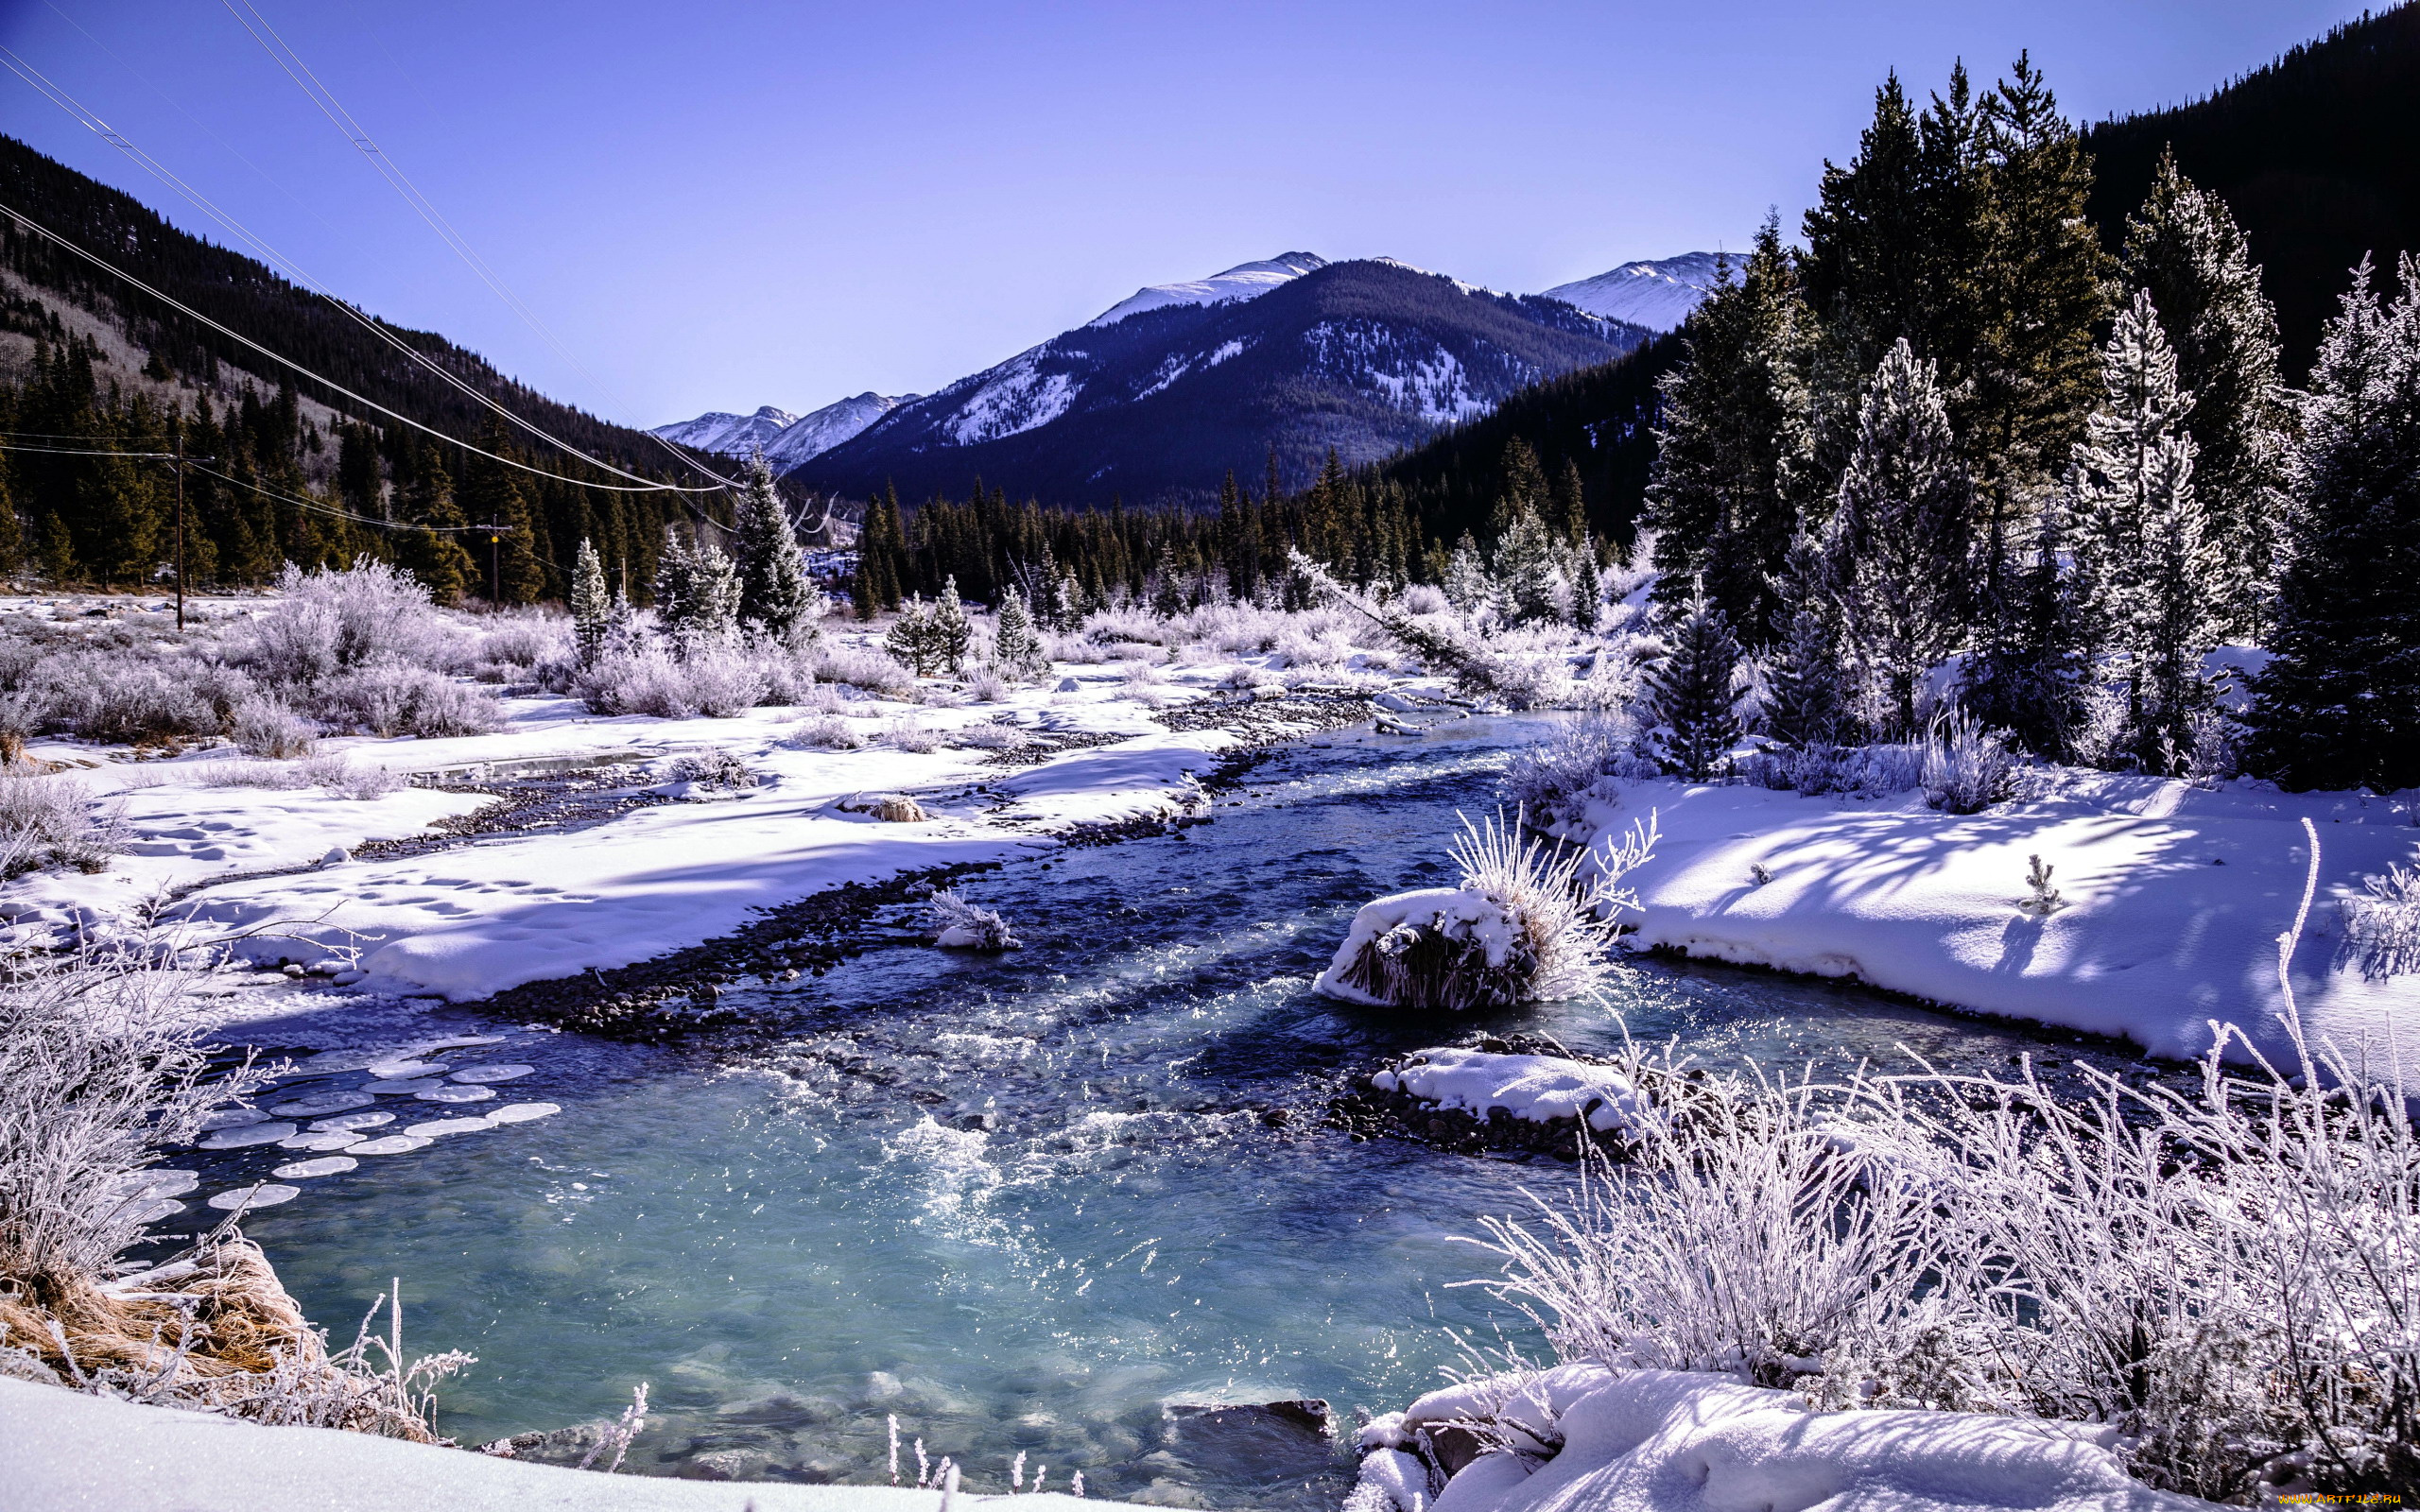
{"x": 482, "y": 1075}
{"x": 158, "y": 1183}
{"x": 250, "y": 1134}
{"x": 456, "y": 1094}
{"x": 321, "y": 1104}
{"x": 391, "y": 1144}
{"x": 345, "y": 1120}
{"x": 242, "y": 1199}
{"x": 402, "y": 1070}
{"x": 154, "y": 1211}
{"x": 450, "y": 1125}
{"x": 523, "y": 1112}
{"x": 232, "y": 1118}
{"x": 325, "y": 1165}
{"x": 404, "y": 1086}
{"x": 328, "y": 1140}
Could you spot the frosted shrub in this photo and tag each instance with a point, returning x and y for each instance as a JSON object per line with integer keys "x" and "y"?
{"x": 525, "y": 638}
{"x": 992, "y": 737}
{"x": 1554, "y": 781}
{"x": 907, "y": 735}
{"x": 986, "y": 684}
{"x": 874, "y": 671}
{"x": 1741, "y": 1239}
{"x": 327, "y": 622}
{"x": 266, "y": 728}
{"x": 1077, "y": 649}
{"x": 1865, "y": 771}
{"x": 720, "y": 771}
{"x": 960, "y": 925}
{"x": 49, "y": 821}
{"x": 391, "y": 698}
{"x": 823, "y": 732}
{"x": 1966, "y": 767}
{"x": 724, "y": 682}
{"x": 1419, "y": 598}
{"x": 2381, "y": 925}
{"x": 121, "y": 696}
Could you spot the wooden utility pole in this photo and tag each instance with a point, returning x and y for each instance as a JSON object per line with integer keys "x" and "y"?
{"x": 495, "y": 561}
{"x": 181, "y": 529}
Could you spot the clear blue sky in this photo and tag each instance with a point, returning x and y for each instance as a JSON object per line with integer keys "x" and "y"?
{"x": 720, "y": 205}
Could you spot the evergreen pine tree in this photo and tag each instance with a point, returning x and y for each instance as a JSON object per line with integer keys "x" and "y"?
{"x": 1735, "y": 436}
{"x": 2149, "y": 577}
{"x": 1167, "y": 591}
{"x": 1897, "y": 538}
{"x": 1016, "y": 646}
{"x": 1587, "y": 592}
{"x": 1467, "y": 586}
{"x": 2185, "y": 248}
{"x": 435, "y": 556}
{"x": 1691, "y": 689}
{"x": 2340, "y": 706}
{"x": 591, "y": 611}
{"x": 2028, "y": 670}
{"x": 697, "y": 592}
{"x": 1806, "y": 699}
{"x": 1528, "y": 568}
{"x": 910, "y": 638}
{"x": 951, "y": 634}
{"x": 773, "y": 590}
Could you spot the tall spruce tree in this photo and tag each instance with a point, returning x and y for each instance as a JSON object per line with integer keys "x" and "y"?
{"x": 951, "y": 634}
{"x": 591, "y": 612}
{"x": 1528, "y": 568}
{"x": 2151, "y": 579}
{"x": 2340, "y": 706}
{"x": 1017, "y": 645}
{"x": 1692, "y": 689}
{"x": 1736, "y": 437}
{"x": 1897, "y": 539}
{"x": 436, "y": 556}
{"x": 2185, "y": 248}
{"x": 697, "y": 590}
{"x": 1806, "y": 700}
{"x": 2026, "y": 675}
{"x": 774, "y": 594}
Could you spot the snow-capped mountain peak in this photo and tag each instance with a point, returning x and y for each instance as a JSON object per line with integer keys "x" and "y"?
{"x": 786, "y": 438}
{"x": 1245, "y": 280}
{"x": 1658, "y": 295}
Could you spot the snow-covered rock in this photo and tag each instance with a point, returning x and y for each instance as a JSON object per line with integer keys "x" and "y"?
{"x": 1461, "y": 914}
{"x": 1658, "y": 295}
{"x": 1669, "y": 1442}
{"x": 1537, "y": 1088}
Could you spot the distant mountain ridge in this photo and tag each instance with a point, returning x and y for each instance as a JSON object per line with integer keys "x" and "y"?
{"x": 1658, "y": 294}
{"x": 1294, "y": 355}
{"x": 787, "y": 439}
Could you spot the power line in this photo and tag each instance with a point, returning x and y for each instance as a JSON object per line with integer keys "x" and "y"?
{"x": 47, "y": 234}
{"x": 312, "y": 505}
{"x": 35, "y": 80}
{"x": 282, "y": 53}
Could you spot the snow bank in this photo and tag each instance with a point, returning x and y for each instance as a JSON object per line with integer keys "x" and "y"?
{"x": 1668, "y": 1441}
{"x": 2174, "y": 898}
{"x": 1534, "y": 1087}
{"x": 63, "y": 1451}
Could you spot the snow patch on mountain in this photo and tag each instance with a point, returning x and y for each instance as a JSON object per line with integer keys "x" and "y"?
{"x": 1014, "y": 397}
{"x": 1417, "y": 377}
{"x": 1658, "y": 295}
{"x": 1245, "y": 280}
{"x": 786, "y": 438}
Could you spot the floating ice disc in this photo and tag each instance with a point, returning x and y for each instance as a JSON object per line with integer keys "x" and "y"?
{"x": 330, "y": 1140}
{"x": 523, "y": 1112}
{"x": 345, "y": 1120}
{"x": 236, "y": 1139}
{"x": 456, "y": 1094}
{"x": 243, "y": 1200}
{"x": 481, "y": 1075}
{"x": 391, "y": 1144}
{"x": 325, "y": 1165}
{"x": 449, "y": 1125}
{"x": 397, "y": 1070}
{"x": 322, "y": 1103}
{"x": 233, "y": 1118}
{"x": 403, "y": 1086}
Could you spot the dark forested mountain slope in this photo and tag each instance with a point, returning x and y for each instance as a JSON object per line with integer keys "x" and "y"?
{"x": 1364, "y": 357}
{"x": 2318, "y": 154}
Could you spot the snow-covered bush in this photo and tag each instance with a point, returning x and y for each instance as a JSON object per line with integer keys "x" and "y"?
{"x": 909, "y": 736}
{"x": 959, "y": 925}
{"x": 1552, "y": 780}
{"x": 47, "y": 820}
{"x": 2381, "y": 927}
{"x": 823, "y": 732}
{"x": 267, "y": 729}
{"x": 724, "y": 682}
{"x": 1522, "y": 927}
{"x": 127, "y": 696}
{"x": 1419, "y": 598}
{"x": 391, "y": 698}
{"x": 1966, "y": 767}
{"x": 986, "y": 685}
{"x": 718, "y": 770}
{"x": 860, "y": 667}
{"x": 525, "y": 638}
{"x": 1815, "y": 768}
{"x": 327, "y": 622}
{"x": 991, "y": 737}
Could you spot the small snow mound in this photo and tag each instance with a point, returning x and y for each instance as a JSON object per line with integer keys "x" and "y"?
{"x": 1534, "y": 1087}
{"x": 243, "y": 1200}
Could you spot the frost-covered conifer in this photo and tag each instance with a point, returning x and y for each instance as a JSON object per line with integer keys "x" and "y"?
{"x": 2184, "y": 249}
{"x": 1016, "y": 646}
{"x": 1587, "y": 589}
{"x": 1167, "y": 587}
{"x": 1467, "y": 586}
{"x": 2152, "y": 580}
{"x": 951, "y": 634}
{"x": 910, "y": 639}
{"x": 1897, "y": 539}
{"x": 2340, "y": 707}
{"x": 2027, "y": 673}
{"x": 1528, "y": 570}
{"x": 591, "y": 611}
{"x": 697, "y": 592}
{"x": 773, "y": 590}
{"x": 1691, "y": 690}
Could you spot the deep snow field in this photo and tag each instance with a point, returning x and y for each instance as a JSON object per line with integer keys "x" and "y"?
{"x": 359, "y": 925}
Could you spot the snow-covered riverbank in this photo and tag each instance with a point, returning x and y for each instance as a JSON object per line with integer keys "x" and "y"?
{"x": 2172, "y": 900}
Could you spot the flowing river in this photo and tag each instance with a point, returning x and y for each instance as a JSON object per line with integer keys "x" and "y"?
{"x": 1024, "y": 1204}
